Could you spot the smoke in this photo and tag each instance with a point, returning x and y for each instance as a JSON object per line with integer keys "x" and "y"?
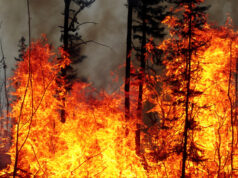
{"x": 221, "y": 9}
{"x": 234, "y": 5}
{"x": 45, "y": 17}
{"x": 13, "y": 24}
{"x": 110, "y": 30}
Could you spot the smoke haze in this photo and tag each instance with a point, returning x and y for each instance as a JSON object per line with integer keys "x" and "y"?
{"x": 110, "y": 30}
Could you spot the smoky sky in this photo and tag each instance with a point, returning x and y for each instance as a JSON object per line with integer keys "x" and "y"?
{"x": 110, "y": 17}
{"x": 221, "y": 9}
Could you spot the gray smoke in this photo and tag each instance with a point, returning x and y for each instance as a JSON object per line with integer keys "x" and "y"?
{"x": 110, "y": 30}
{"x": 45, "y": 17}
{"x": 221, "y": 9}
{"x": 111, "y": 19}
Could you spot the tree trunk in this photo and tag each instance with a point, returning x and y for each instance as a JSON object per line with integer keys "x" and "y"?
{"x": 66, "y": 24}
{"x": 5, "y": 114}
{"x": 141, "y": 79}
{"x": 236, "y": 94}
{"x": 231, "y": 110}
{"x": 188, "y": 78}
{"x": 128, "y": 62}
{"x": 66, "y": 47}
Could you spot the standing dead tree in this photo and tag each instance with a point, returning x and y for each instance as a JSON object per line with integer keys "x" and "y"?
{"x": 147, "y": 29}
{"x": 4, "y": 93}
{"x": 189, "y": 20}
{"x": 71, "y": 44}
{"x": 128, "y": 60}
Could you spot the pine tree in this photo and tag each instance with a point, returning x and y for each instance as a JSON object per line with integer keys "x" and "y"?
{"x": 128, "y": 60}
{"x": 189, "y": 20}
{"x": 71, "y": 43}
{"x": 150, "y": 14}
{"x": 22, "y": 48}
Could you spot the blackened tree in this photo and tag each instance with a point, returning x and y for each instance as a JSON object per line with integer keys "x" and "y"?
{"x": 188, "y": 21}
{"x": 147, "y": 27}
{"x": 128, "y": 59}
{"x": 71, "y": 43}
{"x": 4, "y": 102}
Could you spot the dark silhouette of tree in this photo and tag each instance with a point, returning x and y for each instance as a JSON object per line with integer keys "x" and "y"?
{"x": 22, "y": 46}
{"x": 188, "y": 21}
{"x": 71, "y": 43}
{"x": 152, "y": 12}
{"x": 236, "y": 93}
{"x": 128, "y": 59}
{"x": 21, "y": 49}
{"x": 147, "y": 27}
{"x": 231, "y": 109}
{"x": 230, "y": 93}
{"x": 4, "y": 113}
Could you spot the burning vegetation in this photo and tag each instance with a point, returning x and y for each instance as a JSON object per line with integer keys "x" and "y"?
{"x": 179, "y": 123}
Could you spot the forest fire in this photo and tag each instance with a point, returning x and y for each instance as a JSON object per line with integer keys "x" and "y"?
{"x": 181, "y": 122}
{"x": 92, "y": 142}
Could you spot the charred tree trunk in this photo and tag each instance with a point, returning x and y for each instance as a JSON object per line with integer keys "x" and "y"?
{"x": 236, "y": 96}
{"x": 66, "y": 24}
{"x": 231, "y": 110}
{"x": 6, "y": 114}
{"x": 66, "y": 47}
{"x": 6, "y": 97}
{"x": 141, "y": 80}
{"x": 188, "y": 78}
{"x": 219, "y": 150}
{"x": 128, "y": 61}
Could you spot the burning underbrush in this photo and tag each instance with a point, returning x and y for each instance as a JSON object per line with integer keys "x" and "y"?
{"x": 96, "y": 141}
{"x": 90, "y": 143}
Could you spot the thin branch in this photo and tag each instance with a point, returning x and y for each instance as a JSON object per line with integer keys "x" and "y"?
{"x": 75, "y": 17}
{"x": 37, "y": 159}
{"x": 87, "y": 23}
{"x": 89, "y": 158}
{"x": 77, "y": 27}
{"x": 92, "y": 41}
{"x": 42, "y": 97}
{"x": 97, "y": 175}
{"x": 26, "y": 89}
